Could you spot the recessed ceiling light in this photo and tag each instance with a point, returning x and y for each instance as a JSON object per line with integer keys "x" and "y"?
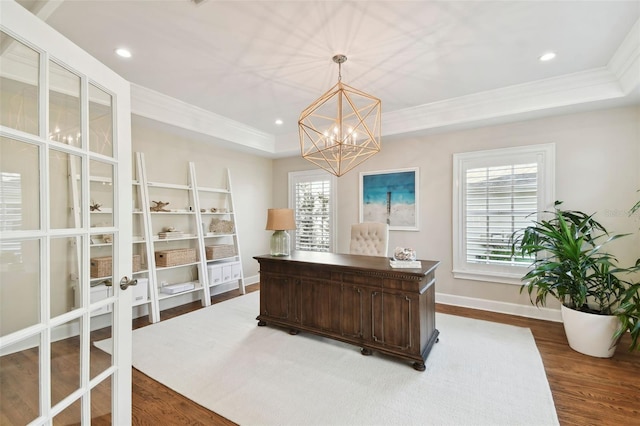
{"x": 125, "y": 53}
{"x": 279, "y": 122}
{"x": 547, "y": 56}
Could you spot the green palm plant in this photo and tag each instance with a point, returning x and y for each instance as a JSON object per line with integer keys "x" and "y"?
{"x": 572, "y": 266}
{"x": 629, "y": 310}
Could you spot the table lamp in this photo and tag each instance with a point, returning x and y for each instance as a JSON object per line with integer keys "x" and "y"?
{"x": 280, "y": 220}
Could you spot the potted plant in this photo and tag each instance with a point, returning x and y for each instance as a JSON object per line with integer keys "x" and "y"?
{"x": 571, "y": 265}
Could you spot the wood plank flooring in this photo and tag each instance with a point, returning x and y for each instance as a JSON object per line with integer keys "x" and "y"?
{"x": 586, "y": 390}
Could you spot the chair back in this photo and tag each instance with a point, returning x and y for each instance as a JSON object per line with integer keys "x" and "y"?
{"x": 369, "y": 239}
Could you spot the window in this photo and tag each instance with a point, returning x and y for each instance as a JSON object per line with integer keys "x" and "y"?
{"x": 312, "y": 196}
{"x": 10, "y": 215}
{"x": 496, "y": 193}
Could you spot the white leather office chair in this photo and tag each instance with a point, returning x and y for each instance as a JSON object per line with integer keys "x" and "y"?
{"x": 369, "y": 239}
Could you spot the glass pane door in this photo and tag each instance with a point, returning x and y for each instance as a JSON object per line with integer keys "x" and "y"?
{"x": 65, "y": 231}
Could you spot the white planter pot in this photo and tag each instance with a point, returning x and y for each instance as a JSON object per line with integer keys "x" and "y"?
{"x": 590, "y": 334}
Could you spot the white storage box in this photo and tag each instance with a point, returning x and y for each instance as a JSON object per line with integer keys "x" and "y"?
{"x": 226, "y": 273}
{"x": 97, "y": 294}
{"x": 223, "y": 272}
{"x": 141, "y": 290}
{"x": 215, "y": 274}
{"x": 235, "y": 271}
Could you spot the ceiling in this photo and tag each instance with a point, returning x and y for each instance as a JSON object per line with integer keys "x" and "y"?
{"x": 434, "y": 65}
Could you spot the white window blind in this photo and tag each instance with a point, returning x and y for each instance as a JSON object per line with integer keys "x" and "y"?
{"x": 312, "y": 200}
{"x": 499, "y": 201}
{"x": 497, "y": 193}
{"x": 10, "y": 214}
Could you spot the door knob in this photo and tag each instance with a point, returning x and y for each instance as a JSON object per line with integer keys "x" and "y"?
{"x": 126, "y": 282}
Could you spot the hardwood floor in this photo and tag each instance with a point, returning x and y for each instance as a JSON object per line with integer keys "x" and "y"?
{"x": 586, "y": 390}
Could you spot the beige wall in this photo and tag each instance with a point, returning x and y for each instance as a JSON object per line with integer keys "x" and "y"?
{"x": 597, "y": 170}
{"x": 167, "y": 157}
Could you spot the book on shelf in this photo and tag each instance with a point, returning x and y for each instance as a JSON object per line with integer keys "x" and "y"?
{"x": 178, "y": 288}
{"x": 170, "y": 234}
{"x": 405, "y": 263}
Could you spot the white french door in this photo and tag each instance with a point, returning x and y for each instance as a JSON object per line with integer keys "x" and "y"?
{"x": 65, "y": 230}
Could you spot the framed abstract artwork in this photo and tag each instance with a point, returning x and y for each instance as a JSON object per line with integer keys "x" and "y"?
{"x": 390, "y": 196}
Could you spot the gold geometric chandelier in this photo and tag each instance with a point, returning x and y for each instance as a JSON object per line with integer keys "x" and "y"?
{"x": 341, "y": 129}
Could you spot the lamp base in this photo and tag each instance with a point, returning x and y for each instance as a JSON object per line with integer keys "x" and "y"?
{"x": 280, "y": 244}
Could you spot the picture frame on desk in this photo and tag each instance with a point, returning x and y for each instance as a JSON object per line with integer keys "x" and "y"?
{"x": 391, "y": 196}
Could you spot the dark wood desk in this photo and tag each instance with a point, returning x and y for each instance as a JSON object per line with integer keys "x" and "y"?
{"x": 355, "y": 299}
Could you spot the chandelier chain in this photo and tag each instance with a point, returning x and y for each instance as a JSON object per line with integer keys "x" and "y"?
{"x": 339, "y": 59}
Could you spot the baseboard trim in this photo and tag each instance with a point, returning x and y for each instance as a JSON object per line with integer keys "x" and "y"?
{"x": 546, "y": 314}
{"x": 254, "y": 279}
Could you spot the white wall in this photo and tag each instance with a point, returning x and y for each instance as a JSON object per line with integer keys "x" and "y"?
{"x": 597, "y": 170}
{"x": 167, "y": 156}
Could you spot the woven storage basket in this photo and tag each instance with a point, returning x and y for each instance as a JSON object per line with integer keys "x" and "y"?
{"x": 175, "y": 257}
{"x": 103, "y": 266}
{"x": 220, "y": 251}
{"x": 136, "y": 263}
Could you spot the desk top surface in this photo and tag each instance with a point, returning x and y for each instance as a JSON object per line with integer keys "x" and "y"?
{"x": 369, "y": 263}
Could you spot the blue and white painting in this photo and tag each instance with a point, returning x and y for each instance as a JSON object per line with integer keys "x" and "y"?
{"x": 390, "y": 197}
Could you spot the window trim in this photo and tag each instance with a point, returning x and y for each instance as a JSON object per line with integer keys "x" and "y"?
{"x": 316, "y": 174}
{"x": 544, "y": 156}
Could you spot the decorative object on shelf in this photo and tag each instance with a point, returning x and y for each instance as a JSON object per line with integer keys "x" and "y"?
{"x": 339, "y": 143}
{"x": 214, "y": 210}
{"x": 280, "y": 221}
{"x": 159, "y": 206}
{"x": 220, "y": 226}
{"x": 95, "y": 207}
{"x": 107, "y": 238}
{"x": 202, "y": 210}
{"x": 404, "y": 254}
{"x": 404, "y": 257}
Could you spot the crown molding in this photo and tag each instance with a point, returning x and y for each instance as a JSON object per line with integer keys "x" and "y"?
{"x": 165, "y": 109}
{"x": 573, "y": 89}
{"x": 625, "y": 63}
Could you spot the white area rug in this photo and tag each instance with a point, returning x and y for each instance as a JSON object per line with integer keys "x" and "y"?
{"x": 480, "y": 373}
